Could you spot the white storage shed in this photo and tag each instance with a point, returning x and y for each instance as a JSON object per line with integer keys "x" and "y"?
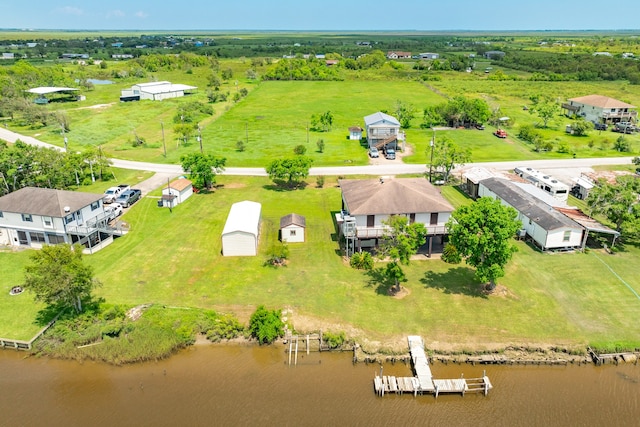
{"x": 292, "y": 228}
{"x": 242, "y": 230}
{"x": 176, "y": 192}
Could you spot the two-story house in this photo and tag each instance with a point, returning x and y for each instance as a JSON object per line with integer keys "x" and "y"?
{"x": 367, "y": 203}
{"x": 600, "y": 109}
{"x": 34, "y": 217}
{"x": 383, "y": 131}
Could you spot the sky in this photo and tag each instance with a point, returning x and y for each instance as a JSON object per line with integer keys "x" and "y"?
{"x": 322, "y": 15}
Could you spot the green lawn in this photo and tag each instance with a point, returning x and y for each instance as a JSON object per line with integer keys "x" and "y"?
{"x": 173, "y": 258}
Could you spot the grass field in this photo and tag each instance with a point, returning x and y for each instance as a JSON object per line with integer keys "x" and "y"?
{"x": 173, "y": 258}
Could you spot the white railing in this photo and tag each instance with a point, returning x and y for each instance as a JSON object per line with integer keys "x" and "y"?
{"x": 376, "y": 232}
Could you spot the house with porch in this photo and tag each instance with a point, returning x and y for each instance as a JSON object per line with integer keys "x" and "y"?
{"x": 33, "y": 217}
{"x": 383, "y": 131}
{"x": 600, "y": 109}
{"x": 367, "y": 203}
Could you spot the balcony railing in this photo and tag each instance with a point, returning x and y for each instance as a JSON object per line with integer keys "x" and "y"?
{"x": 627, "y": 114}
{"x": 377, "y": 232}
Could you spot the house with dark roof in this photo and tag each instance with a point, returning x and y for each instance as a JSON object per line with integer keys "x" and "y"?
{"x": 548, "y": 228}
{"x": 367, "y": 203}
{"x": 600, "y": 109}
{"x": 292, "y": 228}
{"x": 33, "y": 217}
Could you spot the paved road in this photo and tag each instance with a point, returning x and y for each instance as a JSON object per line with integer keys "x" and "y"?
{"x": 563, "y": 169}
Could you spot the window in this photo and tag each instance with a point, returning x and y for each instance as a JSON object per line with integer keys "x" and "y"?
{"x": 567, "y": 236}
{"x": 37, "y": 237}
{"x": 68, "y": 219}
{"x": 47, "y": 221}
{"x": 292, "y": 232}
{"x": 371, "y": 221}
{"x": 1, "y": 214}
{"x": 95, "y": 205}
{"x": 27, "y": 218}
{"x": 412, "y": 218}
{"x": 434, "y": 219}
{"x": 55, "y": 239}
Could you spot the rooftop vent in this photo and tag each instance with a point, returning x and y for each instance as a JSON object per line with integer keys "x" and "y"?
{"x": 67, "y": 209}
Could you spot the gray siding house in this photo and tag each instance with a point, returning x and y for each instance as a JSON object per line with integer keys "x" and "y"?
{"x": 34, "y": 217}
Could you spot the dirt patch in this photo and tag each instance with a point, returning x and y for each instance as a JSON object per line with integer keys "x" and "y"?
{"x": 499, "y": 291}
{"x": 402, "y": 293}
{"x": 232, "y": 185}
{"x": 135, "y": 313}
{"x": 96, "y": 107}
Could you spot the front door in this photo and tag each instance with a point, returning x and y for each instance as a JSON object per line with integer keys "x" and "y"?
{"x": 22, "y": 238}
{"x": 434, "y": 219}
{"x": 371, "y": 221}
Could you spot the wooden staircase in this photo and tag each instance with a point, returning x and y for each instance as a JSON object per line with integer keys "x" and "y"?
{"x": 384, "y": 142}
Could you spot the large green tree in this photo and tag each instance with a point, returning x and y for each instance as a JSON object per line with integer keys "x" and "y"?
{"x": 446, "y": 156}
{"x": 58, "y": 276}
{"x": 290, "y": 171}
{"x": 545, "y": 108}
{"x": 266, "y": 325}
{"x": 619, "y": 203}
{"x": 482, "y": 234}
{"x": 202, "y": 168}
{"x": 399, "y": 242}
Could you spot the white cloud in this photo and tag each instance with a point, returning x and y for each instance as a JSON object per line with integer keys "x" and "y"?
{"x": 115, "y": 13}
{"x": 141, "y": 14}
{"x": 70, "y": 10}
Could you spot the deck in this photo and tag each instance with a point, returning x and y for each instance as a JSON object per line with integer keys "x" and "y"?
{"x": 423, "y": 381}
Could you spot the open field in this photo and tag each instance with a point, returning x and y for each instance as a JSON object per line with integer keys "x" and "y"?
{"x": 275, "y": 116}
{"x": 173, "y": 258}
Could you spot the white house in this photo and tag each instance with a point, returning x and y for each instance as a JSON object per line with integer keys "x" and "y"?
{"x": 600, "y": 109}
{"x": 176, "y": 192}
{"x": 383, "y": 130}
{"x": 548, "y": 228}
{"x": 367, "y": 203}
{"x": 398, "y": 55}
{"x": 34, "y": 217}
{"x": 292, "y": 228}
{"x": 429, "y": 55}
{"x": 242, "y": 230}
{"x": 155, "y": 91}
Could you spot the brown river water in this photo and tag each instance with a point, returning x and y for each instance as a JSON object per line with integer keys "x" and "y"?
{"x": 229, "y": 385}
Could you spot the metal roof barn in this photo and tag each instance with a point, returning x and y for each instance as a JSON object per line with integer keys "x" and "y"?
{"x": 241, "y": 232}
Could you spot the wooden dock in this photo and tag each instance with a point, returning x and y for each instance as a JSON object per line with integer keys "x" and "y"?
{"x": 423, "y": 381}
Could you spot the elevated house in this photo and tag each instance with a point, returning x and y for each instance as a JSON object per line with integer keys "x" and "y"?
{"x": 155, "y": 91}
{"x": 383, "y": 131}
{"x": 600, "y": 109}
{"x": 33, "y": 217}
{"x": 367, "y": 203}
{"x": 548, "y": 228}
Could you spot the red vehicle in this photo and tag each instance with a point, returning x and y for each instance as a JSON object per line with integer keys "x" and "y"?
{"x": 500, "y": 133}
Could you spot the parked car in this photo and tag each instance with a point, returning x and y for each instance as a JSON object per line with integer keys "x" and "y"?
{"x": 113, "y": 193}
{"x": 374, "y": 153}
{"x": 500, "y": 133}
{"x": 129, "y": 197}
{"x": 600, "y": 126}
{"x": 479, "y": 126}
{"x": 113, "y": 211}
{"x": 390, "y": 154}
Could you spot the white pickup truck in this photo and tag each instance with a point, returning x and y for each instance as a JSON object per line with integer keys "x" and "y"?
{"x": 112, "y": 193}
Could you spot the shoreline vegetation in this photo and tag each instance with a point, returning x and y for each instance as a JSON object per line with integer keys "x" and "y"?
{"x": 149, "y": 332}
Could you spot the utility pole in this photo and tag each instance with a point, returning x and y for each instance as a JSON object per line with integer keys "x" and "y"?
{"x": 64, "y": 138}
{"x": 432, "y": 143}
{"x": 199, "y": 138}
{"x": 164, "y": 145}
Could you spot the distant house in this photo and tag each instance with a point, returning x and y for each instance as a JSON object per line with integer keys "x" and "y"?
{"x": 355, "y": 133}
{"x": 176, "y": 192}
{"x": 8, "y": 55}
{"x": 383, "y": 130}
{"x": 331, "y": 62}
{"x": 494, "y": 54}
{"x": 429, "y": 55}
{"x": 367, "y": 203}
{"x": 155, "y": 91}
{"x": 121, "y": 56}
{"x": 117, "y": 44}
{"x": 602, "y": 54}
{"x": 241, "y": 232}
{"x": 292, "y": 228}
{"x": 33, "y": 217}
{"x": 600, "y": 109}
{"x": 398, "y": 55}
{"x": 547, "y": 227}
